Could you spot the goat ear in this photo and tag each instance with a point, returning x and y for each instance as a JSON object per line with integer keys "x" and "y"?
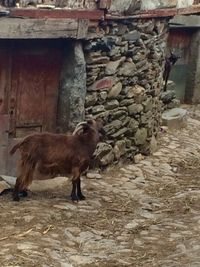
{"x": 98, "y": 123}
{"x": 84, "y": 129}
{"x": 172, "y": 53}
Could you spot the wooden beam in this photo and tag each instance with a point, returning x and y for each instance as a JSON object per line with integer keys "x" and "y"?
{"x": 57, "y": 13}
{"x": 13, "y": 28}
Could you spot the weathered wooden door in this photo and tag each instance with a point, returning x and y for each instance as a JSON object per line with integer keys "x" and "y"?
{"x": 4, "y": 118}
{"x": 34, "y": 88}
{"x": 31, "y": 74}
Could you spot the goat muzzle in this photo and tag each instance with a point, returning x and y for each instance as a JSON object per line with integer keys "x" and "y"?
{"x": 102, "y": 134}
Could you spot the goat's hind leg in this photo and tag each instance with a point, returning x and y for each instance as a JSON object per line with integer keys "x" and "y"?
{"x": 166, "y": 81}
{"x": 23, "y": 193}
{"x": 23, "y": 181}
{"x": 17, "y": 189}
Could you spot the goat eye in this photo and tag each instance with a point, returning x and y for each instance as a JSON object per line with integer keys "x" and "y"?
{"x": 90, "y": 122}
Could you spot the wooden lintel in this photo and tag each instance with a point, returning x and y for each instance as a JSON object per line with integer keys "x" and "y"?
{"x": 57, "y": 13}
{"x": 38, "y": 28}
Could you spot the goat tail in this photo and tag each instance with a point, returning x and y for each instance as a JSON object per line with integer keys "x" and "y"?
{"x": 27, "y": 174}
{"x": 15, "y": 148}
{"x": 26, "y": 169}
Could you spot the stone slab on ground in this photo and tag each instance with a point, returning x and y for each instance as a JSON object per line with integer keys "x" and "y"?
{"x": 175, "y": 118}
{"x": 9, "y": 179}
{"x": 3, "y": 186}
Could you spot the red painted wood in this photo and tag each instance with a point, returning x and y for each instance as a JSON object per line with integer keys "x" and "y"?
{"x": 100, "y": 14}
{"x": 4, "y": 59}
{"x": 4, "y": 127}
{"x": 180, "y": 40}
{"x": 34, "y": 87}
{"x": 4, "y": 119}
{"x": 29, "y": 81}
{"x": 71, "y": 14}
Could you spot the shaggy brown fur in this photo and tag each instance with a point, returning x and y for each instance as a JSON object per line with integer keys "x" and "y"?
{"x": 57, "y": 154}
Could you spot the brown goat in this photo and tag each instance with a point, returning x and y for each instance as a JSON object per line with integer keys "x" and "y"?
{"x": 57, "y": 154}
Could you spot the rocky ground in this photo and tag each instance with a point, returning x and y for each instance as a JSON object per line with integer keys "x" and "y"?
{"x": 144, "y": 214}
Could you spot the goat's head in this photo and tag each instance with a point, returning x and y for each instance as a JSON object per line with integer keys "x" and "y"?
{"x": 173, "y": 58}
{"x": 90, "y": 126}
{"x": 98, "y": 126}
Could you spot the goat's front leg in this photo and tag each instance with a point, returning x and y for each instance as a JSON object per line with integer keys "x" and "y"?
{"x": 74, "y": 196}
{"x": 79, "y": 193}
{"x": 76, "y": 193}
{"x": 166, "y": 80}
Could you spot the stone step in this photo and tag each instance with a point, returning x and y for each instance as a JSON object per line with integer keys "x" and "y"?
{"x": 170, "y": 85}
{"x": 175, "y": 118}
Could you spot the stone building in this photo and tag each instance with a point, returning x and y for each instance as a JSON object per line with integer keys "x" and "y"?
{"x": 62, "y": 61}
{"x": 184, "y": 38}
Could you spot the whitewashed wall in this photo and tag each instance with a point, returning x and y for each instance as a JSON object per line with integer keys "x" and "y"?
{"x": 184, "y": 3}
{"x": 129, "y": 6}
{"x": 153, "y": 4}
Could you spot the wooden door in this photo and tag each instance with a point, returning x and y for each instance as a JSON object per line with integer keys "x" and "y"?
{"x": 4, "y": 117}
{"x": 34, "y": 88}
{"x": 29, "y": 82}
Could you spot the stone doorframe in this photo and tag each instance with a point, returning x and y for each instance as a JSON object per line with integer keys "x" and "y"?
{"x": 192, "y": 91}
{"x": 72, "y": 89}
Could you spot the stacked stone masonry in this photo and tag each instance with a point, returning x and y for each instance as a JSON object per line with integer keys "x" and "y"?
{"x": 124, "y": 81}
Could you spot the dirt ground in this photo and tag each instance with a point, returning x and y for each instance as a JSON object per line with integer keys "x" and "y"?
{"x": 138, "y": 215}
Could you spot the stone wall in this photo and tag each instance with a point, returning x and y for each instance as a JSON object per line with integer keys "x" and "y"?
{"x": 124, "y": 79}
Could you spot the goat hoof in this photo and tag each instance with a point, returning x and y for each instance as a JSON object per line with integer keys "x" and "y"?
{"x": 81, "y": 197}
{"x": 23, "y": 194}
{"x": 74, "y": 198}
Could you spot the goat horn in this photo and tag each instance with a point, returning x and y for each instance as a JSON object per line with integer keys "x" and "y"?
{"x": 79, "y": 127}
